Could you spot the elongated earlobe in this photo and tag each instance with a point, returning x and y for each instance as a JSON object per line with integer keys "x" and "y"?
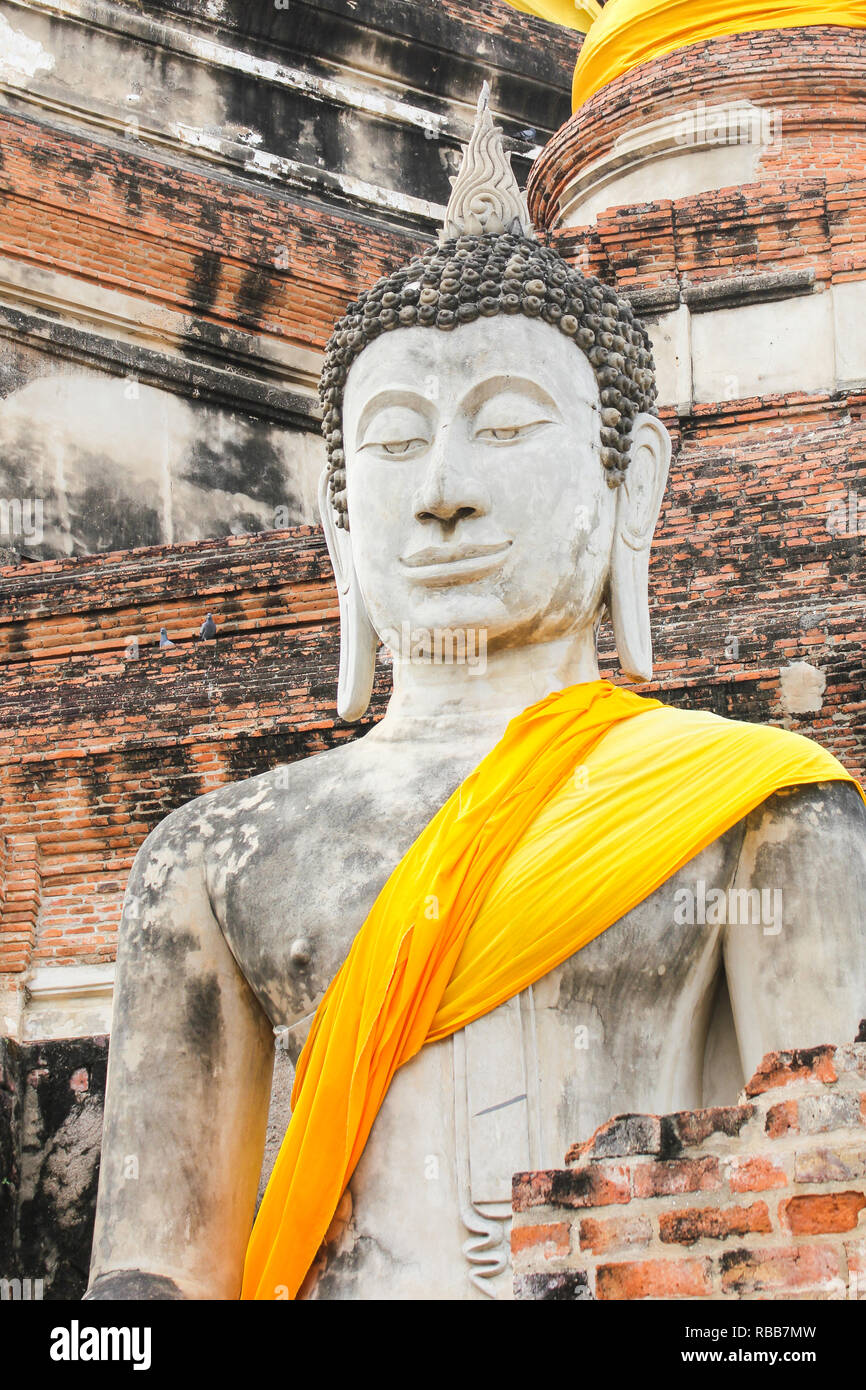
{"x": 640, "y": 497}
{"x": 358, "y": 640}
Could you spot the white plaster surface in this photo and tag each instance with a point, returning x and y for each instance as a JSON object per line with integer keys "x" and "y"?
{"x": 144, "y": 454}
{"x": 761, "y": 349}
{"x": 21, "y": 58}
{"x": 811, "y": 342}
{"x": 803, "y": 687}
{"x": 671, "y": 336}
{"x": 849, "y": 306}
{"x": 68, "y": 1001}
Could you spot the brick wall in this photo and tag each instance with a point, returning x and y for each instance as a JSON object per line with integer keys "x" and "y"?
{"x": 752, "y": 569}
{"x": 817, "y": 224}
{"x": 757, "y": 1200}
{"x": 496, "y": 18}
{"x": 233, "y": 254}
{"x": 813, "y": 81}
{"x": 747, "y": 575}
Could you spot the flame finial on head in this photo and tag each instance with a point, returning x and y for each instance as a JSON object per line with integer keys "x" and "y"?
{"x": 485, "y": 197}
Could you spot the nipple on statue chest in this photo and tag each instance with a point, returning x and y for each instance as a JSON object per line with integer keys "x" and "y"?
{"x": 300, "y": 953}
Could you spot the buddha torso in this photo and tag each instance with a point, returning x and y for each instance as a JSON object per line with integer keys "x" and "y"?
{"x": 294, "y": 861}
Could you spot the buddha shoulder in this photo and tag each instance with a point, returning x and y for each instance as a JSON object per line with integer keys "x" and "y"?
{"x": 821, "y": 827}
{"x": 282, "y": 793}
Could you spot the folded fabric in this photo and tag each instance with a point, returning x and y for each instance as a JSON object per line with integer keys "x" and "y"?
{"x": 573, "y": 14}
{"x": 592, "y": 799}
{"x": 629, "y": 32}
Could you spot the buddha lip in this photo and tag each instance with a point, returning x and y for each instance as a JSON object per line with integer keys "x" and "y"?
{"x": 437, "y": 555}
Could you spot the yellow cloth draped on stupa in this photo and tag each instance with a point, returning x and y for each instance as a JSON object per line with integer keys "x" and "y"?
{"x": 591, "y": 800}
{"x": 626, "y": 33}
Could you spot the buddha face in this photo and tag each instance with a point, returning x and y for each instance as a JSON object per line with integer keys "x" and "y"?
{"x": 477, "y": 498}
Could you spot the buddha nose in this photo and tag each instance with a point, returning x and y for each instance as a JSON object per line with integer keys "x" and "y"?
{"x": 449, "y": 492}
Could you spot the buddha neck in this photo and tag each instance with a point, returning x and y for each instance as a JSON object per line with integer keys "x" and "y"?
{"x": 434, "y": 701}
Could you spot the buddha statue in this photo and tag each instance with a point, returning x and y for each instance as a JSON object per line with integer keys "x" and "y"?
{"x": 495, "y": 471}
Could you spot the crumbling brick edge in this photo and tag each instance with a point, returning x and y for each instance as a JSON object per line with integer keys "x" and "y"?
{"x": 761, "y": 1200}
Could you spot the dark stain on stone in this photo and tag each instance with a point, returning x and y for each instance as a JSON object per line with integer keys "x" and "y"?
{"x": 670, "y": 1145}
{"x": 564, "y": 1286}
{"x": 179, "y": 783}
{"x": 204, "y": 281}
{"x": 204, "y": 1025}
{"x": 103, "y": 516}
{"x": 129, "y": 188}
{"x": 251, "y": 754}
{"x": 134, "y": 1285}
{"x": 254, "y": 293}
{"x": 342, "y": 1274}
{"x": 251, "y": 465}
{"x": 60, "y": 1161}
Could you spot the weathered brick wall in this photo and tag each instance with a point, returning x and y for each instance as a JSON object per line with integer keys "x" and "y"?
{"x": 816, "y": 225}
{"x": 759, "y": 558}
{"x": 253, "y": 259}
{"x": 751, "y": 1201}
{"x": 749, "y": 575}
{"x": 496, "y": 18}
{"x": 813, "y": 80}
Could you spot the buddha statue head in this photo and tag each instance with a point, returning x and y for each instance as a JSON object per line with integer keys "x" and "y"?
{"x": 494, "y": 459}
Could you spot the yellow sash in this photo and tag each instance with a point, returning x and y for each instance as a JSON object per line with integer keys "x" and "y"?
{"x": 628, "y": 32}
{"x": 591, "y": 800}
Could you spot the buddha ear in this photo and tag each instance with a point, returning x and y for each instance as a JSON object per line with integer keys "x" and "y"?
{"x": 638, "y": 504}
{"x": 358, "y": 640}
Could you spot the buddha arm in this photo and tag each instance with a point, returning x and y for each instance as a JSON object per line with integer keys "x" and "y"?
{"x": 188, "y": 1087}
{"x": 804, "y": 983}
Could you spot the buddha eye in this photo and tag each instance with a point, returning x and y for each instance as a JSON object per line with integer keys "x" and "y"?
{"x": 396, "y": 431}
{"x": 510, "y": 433}
{"x": 506, "y": 434}
{"x": 402, "y": 448}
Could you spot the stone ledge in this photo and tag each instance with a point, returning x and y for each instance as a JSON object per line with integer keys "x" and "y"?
{"x": 731, "y": 291}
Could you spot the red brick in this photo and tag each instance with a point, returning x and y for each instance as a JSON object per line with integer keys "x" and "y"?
{"x": 855, "y": 1252}
{"x": 830, "y": 1165}
{"x": 713, "y": 1223}
{"x": 674, "y": 1176}
{"x": 614, "y": 1233}
{"x": 620, "y": 1137}
{"x": 554, "y": 1238}
{"x": 781, "y": 1119}
{"x": 777, "y": 1270}
{"x": 822, "y": 1213}
{"x": 695, "y": 1126}
{"x": 654, "y": 1279}
{"x": 784, "y": 1068}
{"x": 596, "y": 1185}
{"x": 755, "y": 1174}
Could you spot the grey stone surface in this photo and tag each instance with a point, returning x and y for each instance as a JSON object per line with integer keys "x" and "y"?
{"x": 49, "y": 1160}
